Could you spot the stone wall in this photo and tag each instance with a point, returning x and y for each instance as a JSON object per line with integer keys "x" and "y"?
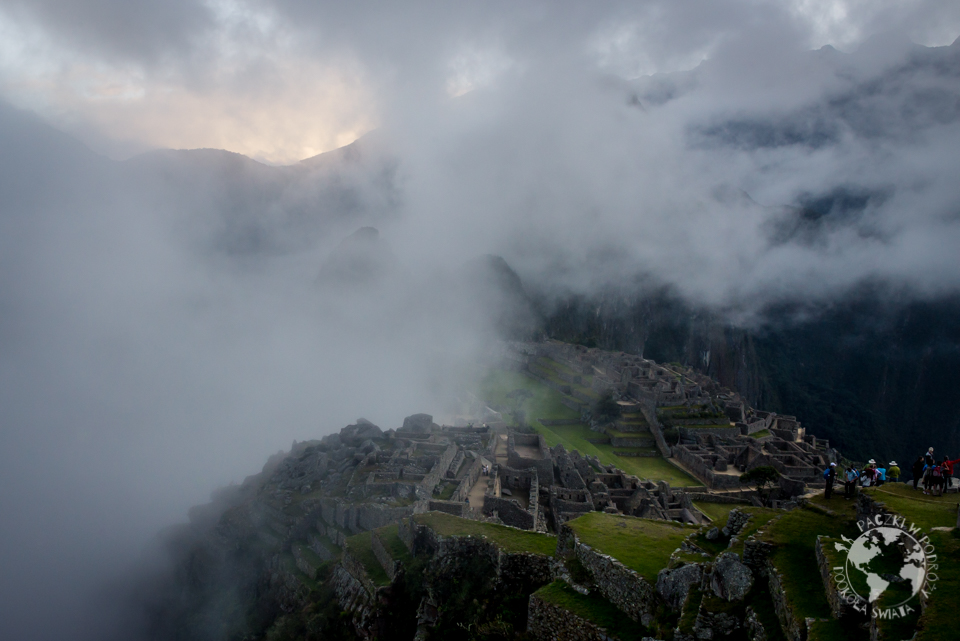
{"x": 510, "y": 512}
{"x": 620, "y": 585}
{"x": 543, "y": 465}
{"x": 352, "y": 565}
{"x": 838, "y": 605}
{"x": 721, "y": 432}
{"x": 794, "y": 627}
{"x": 648, "y": 407}
{"x": 354, "y": 598}
{"x": 455, "y": 508}
{"x": 547, "y": 622}
{"x": 549, "y": 422}
{"x": 469, "y": 479}
{"x": 700, "y": 469}
{"x": 392, "y": 567}
{"x": 450, "y": 551}
{"x": 425, "y": 489}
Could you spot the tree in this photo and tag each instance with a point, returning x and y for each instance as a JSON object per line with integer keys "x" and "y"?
{"x": 761, "y": 477}
{"x": 606, "y": 409}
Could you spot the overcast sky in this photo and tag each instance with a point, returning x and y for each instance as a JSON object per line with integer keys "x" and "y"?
{"x": 161, "y": 330}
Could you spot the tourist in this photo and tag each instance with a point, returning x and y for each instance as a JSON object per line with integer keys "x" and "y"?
{"x": 881, "y": 476}
{"x": 917, "y": 471}
{"x": 928, "y": 457}
{"x": 850, "y": 482}
{"x": 830, "y": 474}
{"x": 867, "y": 476}
{"x": 893, "y": 472}
{"x": 949, "y": 471}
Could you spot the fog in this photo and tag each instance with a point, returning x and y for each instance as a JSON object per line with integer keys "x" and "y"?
{"x": 169, "y": 320}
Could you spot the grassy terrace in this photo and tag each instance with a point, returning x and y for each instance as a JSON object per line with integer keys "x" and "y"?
{"x": 761, "y": 517}
{"x": 359, "y": 547}
{"x": 718, "y": 512}
{"x": 391, "y": 540}
{"x": 920, "y": 509}
{"x": 289, "y": 564}
{"x": 939, "y": 621}
{"x": 507, "y": 538}
{"x": 544, "y": 402}
{"x": 594, "y": 608}
{"x": 642, "y": 545}
{"x": 794, "y": 535}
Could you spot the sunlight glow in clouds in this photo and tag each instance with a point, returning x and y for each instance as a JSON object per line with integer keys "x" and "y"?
{"x": 257, "y": 93}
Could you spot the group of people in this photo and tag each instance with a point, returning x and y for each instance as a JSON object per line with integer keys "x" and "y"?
{"x": 872, "y": 474}
{"x": 935, "y": 475}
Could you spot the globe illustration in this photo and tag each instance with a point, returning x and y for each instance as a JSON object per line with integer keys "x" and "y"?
{"x": 883, "y": 557}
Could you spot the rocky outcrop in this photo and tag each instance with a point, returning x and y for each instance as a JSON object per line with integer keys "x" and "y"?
{"x": 674, "y": 585}
{"x": 731, "y": 579}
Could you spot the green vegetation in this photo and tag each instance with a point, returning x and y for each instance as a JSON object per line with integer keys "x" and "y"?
{"x": 507, "y": 538}
{"x": 642, "y": 545}
{"x": 762, "y": 434}
{"x": 761, "y": 478}
{"x": 794, "y": 536}
{"x": 690, "y": 610}
{"x": 939, "y": 621}
{"x": 544, "y": 402}
{"x": 923, "y": 510}
{"x": 759, "y": 519}
{"x": 606, "y": 409}
{"x": 594, "y": 608}
{"x": 359, "y": 546}
{"x": 718, "y": 512}
{"x": 446, "y": 491}
{"x": 390, "y": 537}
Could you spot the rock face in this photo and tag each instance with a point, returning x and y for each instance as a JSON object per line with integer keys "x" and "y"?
{"x": 731, "y": 579}
{"x": 418, "y": 423}
{"x": 673, "y": 585}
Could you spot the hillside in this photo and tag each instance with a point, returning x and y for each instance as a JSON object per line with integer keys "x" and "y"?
{"x": 485, "y": 530}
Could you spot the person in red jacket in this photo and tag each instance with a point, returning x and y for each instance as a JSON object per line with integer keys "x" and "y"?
{"x": 949, "y": 465}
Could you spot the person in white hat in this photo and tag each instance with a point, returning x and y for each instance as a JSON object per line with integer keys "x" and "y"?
{"x": 893, "y": 472}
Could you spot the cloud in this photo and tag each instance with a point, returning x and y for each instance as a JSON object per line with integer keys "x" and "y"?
{"x": 160, "y": 323}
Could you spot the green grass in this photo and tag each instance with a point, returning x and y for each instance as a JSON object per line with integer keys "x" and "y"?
{"x": 690, "y": 610}
{"x": 545, "y": 403}
{"x": 290, "y": 565}
{"x": 760, "y": 518}
{"x": 939, "y": 621}
{"x": 359, "y": 547}
{"x": 918, "y": 508}
{"x": 390, "y": 537}
{"x": 642, "y": 545}
{"x": 794, "y": 536}
{"x": 507, "y": 538}
{"x": 718, "y": 512}
{"x": 594, "y": 608}
{"x": 448, "y": 489}
{"x": 762, "y": 434}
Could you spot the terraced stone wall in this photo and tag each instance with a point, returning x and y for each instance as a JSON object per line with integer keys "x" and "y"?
{"x": 547, "y": 622}
{"x": 619, "y": 584}
{"x": 392, "y": 567}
